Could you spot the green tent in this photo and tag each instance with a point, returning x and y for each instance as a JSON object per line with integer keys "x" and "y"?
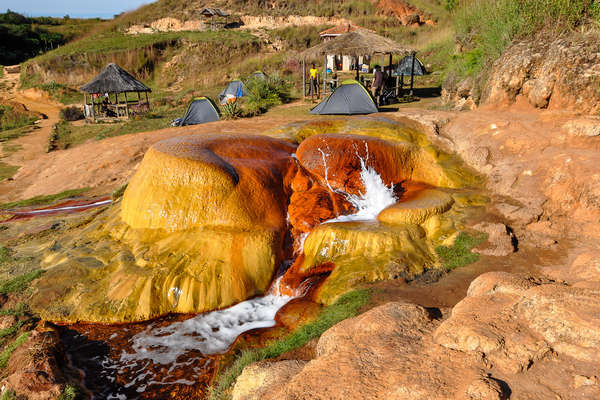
{"x": 349, "y": 98}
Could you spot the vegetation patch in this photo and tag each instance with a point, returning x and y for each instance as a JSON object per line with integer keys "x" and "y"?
{"x": 61, "y": 93}
{"x": 484, "y": 29}
{"x": 264, "y": 94}
{"x": 8, "y": 394}
{"x": 43, "y": 200}
{"x": 459, "y": 254}
{"x": 11, "y": 117}
{"x": 19, "y": 283}
{"x": 8, "y": 350}
{"x": 119, "y": 192}
{"x": 348, "y": 305}
{"x": 7, "y": 170}
{"x": 70, "y": 392}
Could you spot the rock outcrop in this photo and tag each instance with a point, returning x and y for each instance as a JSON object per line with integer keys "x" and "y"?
{"x": 201, "y": 226}
{"x": 511, "y": 337}
{"x": 204, "y": 222}
{"x": 548, "y": 73}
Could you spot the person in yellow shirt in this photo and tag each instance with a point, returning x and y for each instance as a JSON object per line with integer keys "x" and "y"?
{"x": 314, "y": 80}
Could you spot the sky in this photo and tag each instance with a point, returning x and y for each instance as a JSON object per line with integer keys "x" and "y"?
{"x": 73, "y": 8}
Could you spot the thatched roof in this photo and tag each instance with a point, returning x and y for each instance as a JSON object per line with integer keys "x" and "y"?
{"x": 343, "y": 28}
{"x": 358, "y": 43}
{"x": 114, "y": 79}
{"x": 212, "y": 12}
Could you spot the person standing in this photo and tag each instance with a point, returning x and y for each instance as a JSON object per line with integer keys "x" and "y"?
{"x": 314, "y": 80}
{"x": 378, "y": 82}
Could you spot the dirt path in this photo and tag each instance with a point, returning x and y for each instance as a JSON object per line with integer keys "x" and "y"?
{"x": 33, "y": 145}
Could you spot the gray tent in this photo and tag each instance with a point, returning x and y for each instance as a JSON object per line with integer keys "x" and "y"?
{"x": 258, "y": 75}
{"x": 235, "y": 88}
{"x": 405, "y": 66}
{"x": 200, "y": 111}
{"x": 349, "y": 98}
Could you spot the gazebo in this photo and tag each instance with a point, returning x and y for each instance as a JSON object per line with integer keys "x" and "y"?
{"x": 109, "y": 84}
{"x": 356, "y": 44}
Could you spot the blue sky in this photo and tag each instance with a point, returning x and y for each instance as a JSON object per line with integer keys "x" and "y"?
{"x": 74, "y": 8}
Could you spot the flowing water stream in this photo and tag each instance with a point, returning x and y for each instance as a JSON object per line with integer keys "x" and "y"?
{"x": 177, "y": 354}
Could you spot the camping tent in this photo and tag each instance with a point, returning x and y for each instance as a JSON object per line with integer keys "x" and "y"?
{"x": 200, "y": 111}
{"x": 405, "y": 66}
{"x": 235, "y": 89}
{"x": 349, "y": 98}
{"x": 258, "y": 75}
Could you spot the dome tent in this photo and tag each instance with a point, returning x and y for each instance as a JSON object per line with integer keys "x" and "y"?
{"x": 259, "y": 75}
{"x": 200, "y": 111}
{"x": 405, "y": 66}
{"x": 234, "y": 89}
{"x": 349, "y": 98}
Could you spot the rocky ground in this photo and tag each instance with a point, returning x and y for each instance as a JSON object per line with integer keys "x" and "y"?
{"x": 527, "y": 335}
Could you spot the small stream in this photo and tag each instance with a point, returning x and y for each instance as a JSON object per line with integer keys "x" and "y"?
{"x": 177, "y": 355}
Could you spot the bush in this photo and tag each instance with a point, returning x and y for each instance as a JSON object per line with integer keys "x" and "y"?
{"x": 72, "y": 113}
{"x": 265, "y": 93}
{"x": 231, "y": 110}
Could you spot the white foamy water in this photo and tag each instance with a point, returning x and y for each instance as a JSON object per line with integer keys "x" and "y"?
{"x": 209, "y": 333}
{"x": 376, "y": 197}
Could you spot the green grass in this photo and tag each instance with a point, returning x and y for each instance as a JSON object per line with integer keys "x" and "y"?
{"x": 70, "y": 135}
{"x": 11, "y": 134}
{"x": 115, "y": 41}
{"x": 11, "y": 119}
{"x": 19, "y": 283}
{"x": 43, "y": 200}
{"x": 7, "y": 170}
{"x": 61, "y": 93}
{"x": 8, "y": 394}
{"x": 4, "y": 255}
{"x": 18, "y": 311}
{"x": 70, "y": 392}
{"x": 486, "y": 28}
{"x": 10, "y": 330}
{"x": 459, "y": 254}
{"x": 119, "y": 192}
{"x": 8, "y": 350}
{"x": 348, "y": 305}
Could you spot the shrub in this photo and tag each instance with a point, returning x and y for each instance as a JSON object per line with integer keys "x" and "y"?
{"x": 72, "y": 113}
{"x": 231, "y": 110}
{"x": 265, "y": 93}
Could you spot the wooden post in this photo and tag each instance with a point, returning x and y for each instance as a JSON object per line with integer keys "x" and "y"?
{"x": 324, "y": 77}
{"x": 390, "y": 65}
{"x": 147, "y": 101}
{"x": 126, "y": 105}
{"x": 412, "y": 72}
{"x": 397, "y": 83}
{"x": 383, "y": 62}
{"x": 303, "y": 78}
{"x": 84, "y": 104}
{"x": 402, "y": 84}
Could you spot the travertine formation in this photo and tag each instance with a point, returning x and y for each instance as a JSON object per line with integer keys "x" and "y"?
{"x": 203, "y": 223}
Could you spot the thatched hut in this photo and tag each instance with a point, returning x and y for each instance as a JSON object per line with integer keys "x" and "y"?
{"x": 105, "y": 90}
{"x": 342, "y": 62}
{"x": 355, "y": 44}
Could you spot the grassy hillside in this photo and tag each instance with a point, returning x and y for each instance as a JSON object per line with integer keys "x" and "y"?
{"x": 24, "y": 37}
{"x": 484, "y": 29}
{"x": 365, "y": 11}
